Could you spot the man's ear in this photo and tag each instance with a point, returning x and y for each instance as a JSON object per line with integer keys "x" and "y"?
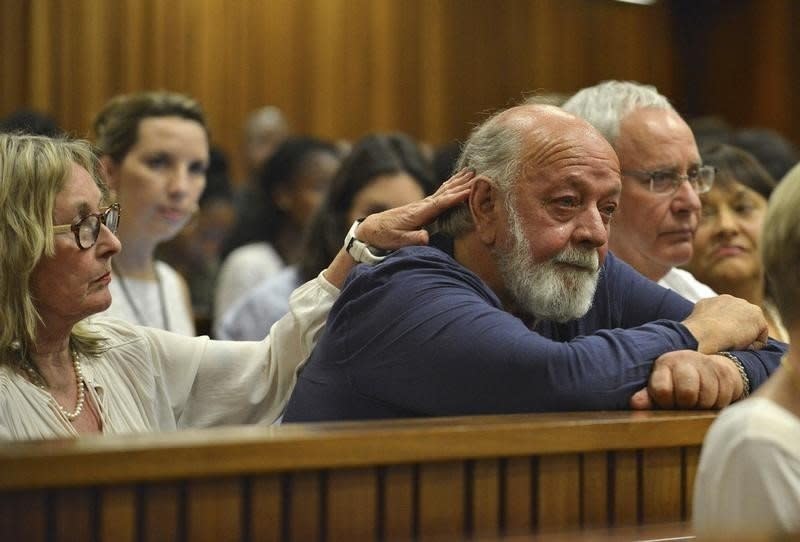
{"x": 485, "y": 204}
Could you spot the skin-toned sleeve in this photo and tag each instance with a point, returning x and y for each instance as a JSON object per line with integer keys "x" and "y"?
{"x": 211, "y": 383}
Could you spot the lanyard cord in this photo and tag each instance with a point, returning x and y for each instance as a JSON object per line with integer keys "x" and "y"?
{"x": 129, "y": 298}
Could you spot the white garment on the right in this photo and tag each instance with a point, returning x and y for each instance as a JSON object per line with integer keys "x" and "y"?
{"x": 250, "y": 318}
{"x": 684, "y": 283}
{"x": 748, "y": 481}
{"x": 241, "y": 271}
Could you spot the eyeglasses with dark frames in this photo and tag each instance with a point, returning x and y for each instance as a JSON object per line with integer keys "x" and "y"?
{"x": 87, "y": 228}
{"x": 667, "y": 182}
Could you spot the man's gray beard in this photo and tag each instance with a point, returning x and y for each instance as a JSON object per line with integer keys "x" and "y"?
{"x": 548, "y": 290}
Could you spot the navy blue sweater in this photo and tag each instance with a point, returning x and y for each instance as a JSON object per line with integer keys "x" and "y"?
{"x": 421, "y": 335}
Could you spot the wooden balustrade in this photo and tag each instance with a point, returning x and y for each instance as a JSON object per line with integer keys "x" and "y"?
{"x": 476, "y": 477}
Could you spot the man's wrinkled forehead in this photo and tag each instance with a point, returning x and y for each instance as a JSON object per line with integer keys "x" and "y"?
{"x": 576, "y": 146}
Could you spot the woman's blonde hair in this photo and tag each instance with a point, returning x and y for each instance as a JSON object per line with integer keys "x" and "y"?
{"x": 33, "y": 170}
{"x": 780, "y": 247}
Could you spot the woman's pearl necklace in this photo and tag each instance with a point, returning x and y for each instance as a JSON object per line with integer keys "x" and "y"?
{"x": 37, "y": 379}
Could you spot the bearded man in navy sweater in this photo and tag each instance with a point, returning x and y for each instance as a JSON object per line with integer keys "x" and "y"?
{"x": 517, "y": 306}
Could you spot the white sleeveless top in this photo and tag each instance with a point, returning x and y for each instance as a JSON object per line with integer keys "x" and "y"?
{"x": 145, "y": 295}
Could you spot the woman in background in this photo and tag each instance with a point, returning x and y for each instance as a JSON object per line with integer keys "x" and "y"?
{"x": 154, "y": 147}
{"x": 292, "y": 183}
{"x": 381, "y": 172}
{"x": 726, "y": 244}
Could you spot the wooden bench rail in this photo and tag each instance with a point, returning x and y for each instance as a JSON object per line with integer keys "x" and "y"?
{"x": 213, "y": 452}
{"x": 456, "y": 478}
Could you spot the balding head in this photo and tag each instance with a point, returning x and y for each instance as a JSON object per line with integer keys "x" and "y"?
{"x": 264, "y": 130}
{"x": 512, "y": 143}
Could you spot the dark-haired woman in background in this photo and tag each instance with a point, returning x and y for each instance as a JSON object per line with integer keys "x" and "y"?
{"x": 381, "y": 172}
{"x": 726, "y": 244}
{"x": 292, "y": 183}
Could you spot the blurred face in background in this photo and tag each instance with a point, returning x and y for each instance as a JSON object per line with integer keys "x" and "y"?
{"x": 385, "y": 192}
{"x": 727, "y": 239}
{"x": 264, "y": 133}
{"x": 160, "y": 180}
{"x": 303, "y": 194}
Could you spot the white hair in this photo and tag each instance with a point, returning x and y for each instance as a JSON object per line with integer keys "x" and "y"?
{"x": 606, "y": 104}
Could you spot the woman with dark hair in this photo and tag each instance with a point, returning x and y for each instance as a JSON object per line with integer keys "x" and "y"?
{"x": 726, "y": 244}
{"x": 381, "y": 172}
{"x": 292, "y": 183}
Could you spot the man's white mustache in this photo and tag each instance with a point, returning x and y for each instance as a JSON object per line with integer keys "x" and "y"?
{"x": 588, "y": 259}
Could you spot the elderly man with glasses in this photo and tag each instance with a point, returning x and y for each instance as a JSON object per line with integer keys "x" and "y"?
{"x": 654, "y": 227}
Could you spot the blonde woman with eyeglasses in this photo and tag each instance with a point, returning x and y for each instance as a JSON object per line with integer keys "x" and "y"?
{"x": 63, "y": 373}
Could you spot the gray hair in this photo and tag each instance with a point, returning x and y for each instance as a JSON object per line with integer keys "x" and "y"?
{"x": 606, "y": 104}
{"x": 494, "y": 150}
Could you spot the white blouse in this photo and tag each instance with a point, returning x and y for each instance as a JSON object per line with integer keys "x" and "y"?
{"x": 148, "y": 379}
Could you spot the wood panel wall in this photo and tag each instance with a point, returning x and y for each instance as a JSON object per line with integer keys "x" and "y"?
{"x": 339, "y": 68}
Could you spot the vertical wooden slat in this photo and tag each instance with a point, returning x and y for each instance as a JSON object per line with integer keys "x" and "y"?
{"x": 594, "y": 490}
{"x": 441, "y": 500}
{"x": 214, "y": 510}
{"x": 72, "y": 514}
{"x": 16, "y": 31}
{"x": 117, "y": 514}
{"x": 305, "y": 506}
{"x": 23, "y": 516}
{"x": 352, "y": 504}
{"x": 486, "y": 498}
{"x": 40, "y": 61}
{"x": 559, "y": 492}
{"x": 382, "y": 65}
{"x": 265, "y": 509}
{"x": 398, "y": 502}
{"x": 433, "y": 31}
{"x": 132, "y": 59}
{"x": 626, "y": 485}
{"x": 327, "y": 62}
{"x": 162, "y": 509}
{"x": 691, "y": 460}
{"x": 518, "y": 496}
{"x": 661, "y": 481}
